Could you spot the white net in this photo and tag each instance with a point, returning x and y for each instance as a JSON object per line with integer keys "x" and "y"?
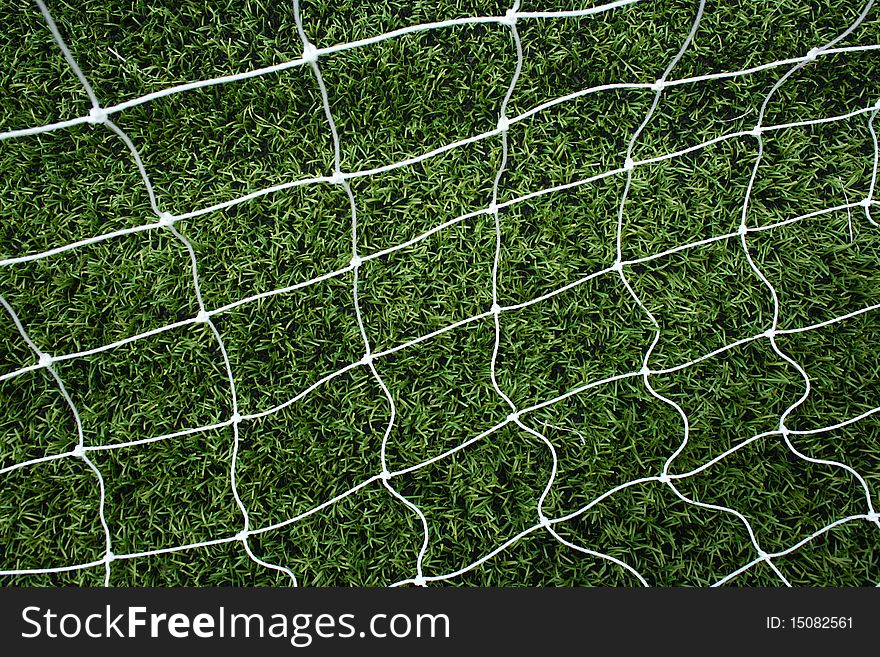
{"x": 523, "y": 411}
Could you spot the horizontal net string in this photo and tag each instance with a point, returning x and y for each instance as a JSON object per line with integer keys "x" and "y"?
{"x": 166, "y": 218}
{"x": 203, "y": 316}
{"x": 473, "y": 440}
{"x": 276, "y": 68}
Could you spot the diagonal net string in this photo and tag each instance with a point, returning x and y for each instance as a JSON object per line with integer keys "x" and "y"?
{"x": 311, "y": 54}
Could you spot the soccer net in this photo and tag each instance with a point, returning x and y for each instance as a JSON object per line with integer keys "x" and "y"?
{"x": 624, "y": 334}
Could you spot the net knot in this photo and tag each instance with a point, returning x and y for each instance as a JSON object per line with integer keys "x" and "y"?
{"x": 617, "y": 267}
{"x": 756, "y": 131}
{"x": 310, "y": 53}
{"x": 356, "y": 261}
{"x": 78, "y": 451}
{"x": 202, "y": 316}
{"x": 865, "y": 203}
{"x": 873, "y": 516}
{"x": 658, "y": 84}
{"x": 236, "y": 417}
{"x": 419, "y": 580}
{"x": 812, "y": 54}
{"x": 496, "y": 309}
{"x": 384, "y": 475}
{"x": 503, "y": 123}
{"x": 45, "y": 360}
{"x": 743, "y": 229}
{"x": 242, "y": 535}
{"x": 509, "y": 17}
{"x": 109, "y": 556}
{"x": 367, "y": 359}
{"x": 167, "y": 219}
{"x": 629, "y": 164}
{"x": 763, "y": 556}
{"x": 337, "y": 178}
{"x": 513, "y": 417}
{"x": 645, "y": 371}
{"x": 492, "y": 208}
{"x": 545, "y": 521}
{"x": 664, "y": 478}
{"x": 97, "y": 115}
{"x": 769, "y": 333}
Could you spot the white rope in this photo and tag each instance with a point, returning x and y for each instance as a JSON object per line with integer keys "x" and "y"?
{"x": 372, "y": 360}
{"x": 165, "y": 218}
{"x": 312, "y": 55}
{"x": 771, "y": 333}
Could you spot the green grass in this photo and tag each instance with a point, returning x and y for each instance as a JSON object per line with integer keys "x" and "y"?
{"x": 393, "y": 100}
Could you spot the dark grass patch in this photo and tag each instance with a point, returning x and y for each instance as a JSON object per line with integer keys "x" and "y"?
{"x": 147, "y": 508}
{"x": 539, "y": 559}
{"x": 676, "y": 202}
{"x": 89, "y": 297}
{"x": 844, "y": 556}
{"x": 759, "y": 575}
{"x": 403, "y": 203}
{"x": 832, "y": 85}
{"x": 691, "y": 114}
{"x": 161, "y": 384}
{"x": 81, "y": 181}
{"x": 330, "y": 23}
{"x": 440, "y": 280}
{"x": 272, "y": 242}
{"x": 280, "y": 345}
{"x": 82, "y": 577}
{"x": 631, "y": 44}
{"x": 796, "y": 497}
{"x": 868, "y": 32}
{"x": 37, "y": 86}
{"x": 15, "y": 352}
{"x": 49, "y": 516}
{"x": 812, "y": 168}
{"x": 579, "y": 139}
{"x": 311, "y": 451}
{"x": 842, "y": 363}
{"x": 603, "y": 438}
{"x": 855, "y": 445}
{"x": 728, "y": 399}
{"x": 37, "y": 421}
{"x": 172, "y": 42}
{"x": 552, "y": 240}
{"x": 740, "y": 34}
{"x": 669, "y": 542}
{"x": 366, "y": 539}
{"x": 818, "y": 270}
{"x": 443, "y": 393}
{"x": 479, "y": 497}
{"x": 703, "y": 299}
{"x": 407, "y": 96}
{"x": 581, "y": 336}
{"x": 218, "y": 143}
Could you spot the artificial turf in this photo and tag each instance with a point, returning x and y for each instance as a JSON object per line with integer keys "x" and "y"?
{"x": 393, "y": 100}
